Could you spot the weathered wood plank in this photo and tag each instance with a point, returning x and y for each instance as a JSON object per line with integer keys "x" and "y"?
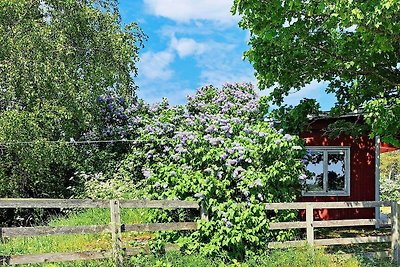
{"x": 132, "y": 251}
{"x": 356, "y": 222}
{"x": 56, "y": 257}
{"x": 395, "y": 233}
{"x": 116, "y": 233}
{"x": 203, "y": 213}
{"x": 6, "y": 203}
{"x": 327, "y": 205}
{"x": 309, "y": 224}
{"x": 350, "y": 204}
{"x": 287, "y": 225}
{"x": 286, "y": 206}
{"x": 351, "y": 240}
{"x": 287, "y": 244}
{"x": 161, "y": 204}
{"x": 50, "y": 230}
{"x": 150, "y": 227}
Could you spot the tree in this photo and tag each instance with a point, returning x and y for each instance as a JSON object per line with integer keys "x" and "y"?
{"x": 56, "y": 58}
{"x": 353, "y": 45}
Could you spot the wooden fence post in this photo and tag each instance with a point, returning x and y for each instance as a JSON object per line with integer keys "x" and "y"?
{"x": 203, "y": 212}
{"x": 395, "y": 233}
{"x": 310, "y": 224}
{"x": 116, "y": 233}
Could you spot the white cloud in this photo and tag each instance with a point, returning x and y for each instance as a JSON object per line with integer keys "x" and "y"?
{"x": 187, "y": 47}
{"x": 156, "y": 65}
{"x": 187, "y": 10}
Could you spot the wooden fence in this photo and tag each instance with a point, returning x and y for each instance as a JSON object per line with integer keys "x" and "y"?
{"x": 310, "y": 224}
{"x": 116, "y": 228}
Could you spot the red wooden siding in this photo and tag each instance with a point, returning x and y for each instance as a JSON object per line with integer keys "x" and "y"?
{"x": 362, "y": 172}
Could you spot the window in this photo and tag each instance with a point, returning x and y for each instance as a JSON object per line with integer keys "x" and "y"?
{"x": 327, "y": 171}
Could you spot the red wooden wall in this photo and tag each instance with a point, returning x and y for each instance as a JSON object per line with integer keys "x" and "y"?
{"x": 362, "y": 172}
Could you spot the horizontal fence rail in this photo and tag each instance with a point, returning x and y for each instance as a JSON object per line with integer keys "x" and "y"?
{"x": 116, "y": 228}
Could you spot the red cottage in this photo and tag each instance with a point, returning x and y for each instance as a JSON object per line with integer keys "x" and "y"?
{"x": 341, "y": 169}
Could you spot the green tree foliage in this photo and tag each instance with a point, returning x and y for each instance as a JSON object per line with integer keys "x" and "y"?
{"x": 56, "y": 58}
{"x": 390, "y": 175}
{"x": 353, "y": 45}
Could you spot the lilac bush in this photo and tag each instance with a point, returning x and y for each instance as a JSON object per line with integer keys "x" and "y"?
{"x": 217, "y": 150}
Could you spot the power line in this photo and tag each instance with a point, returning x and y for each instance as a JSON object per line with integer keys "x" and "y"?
{"x": 71, "y": 142}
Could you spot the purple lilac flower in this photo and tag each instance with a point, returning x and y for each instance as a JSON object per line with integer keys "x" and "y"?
{"x": 211, "y": 129}
{"x": 223, "y": 156}
{"x": 157, "y": 185}
{"x": 277, "y": 142}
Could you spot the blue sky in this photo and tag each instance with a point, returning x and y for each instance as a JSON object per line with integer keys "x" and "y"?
{"x": 193, "y": 43}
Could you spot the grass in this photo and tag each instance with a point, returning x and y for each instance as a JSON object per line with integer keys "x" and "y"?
{"x": 63, "y": 243}
{"x": 296, "y": 257}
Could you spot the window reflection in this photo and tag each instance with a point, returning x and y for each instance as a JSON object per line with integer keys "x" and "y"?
{"x": 314, "y": 162}
{"x": 336, "y": 171}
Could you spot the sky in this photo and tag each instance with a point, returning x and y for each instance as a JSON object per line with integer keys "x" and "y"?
{"x": 193, "y": 43}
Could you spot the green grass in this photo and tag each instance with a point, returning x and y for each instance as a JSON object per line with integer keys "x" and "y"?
{"x": 63, "y": 243}
{"x": 295, "y": 257}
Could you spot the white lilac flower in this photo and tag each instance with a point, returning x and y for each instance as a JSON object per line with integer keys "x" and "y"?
{"x": 277, "y": 142}
{"x": 302, "y": 176}
{"x": 165, "y": 186}
{"x": 229, "y": 224}
{"x": 157, "y": 185}
{"x": 260, "y": 196}
{"x": 288, "y": 137}
{"x": 231, "y": 162}
{"x": 173, "y": 173}
{"x": 237, "y": 172}
{"x": 297, "y": 148}
{"x": 258, "y": 182}
{"x": 245, "y": 192}
{"x": 199, "y": 196}
{"x": 146, "y": 173}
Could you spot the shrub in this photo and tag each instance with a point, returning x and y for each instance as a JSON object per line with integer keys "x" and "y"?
{"x": 219, "y": 151}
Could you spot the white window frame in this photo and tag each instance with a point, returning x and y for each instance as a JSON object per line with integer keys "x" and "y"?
{"x": 325, "y": 192}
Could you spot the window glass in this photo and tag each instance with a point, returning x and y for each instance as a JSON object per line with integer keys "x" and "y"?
{"x": 314, "y": 163}
{"x": 336, "y": 170}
